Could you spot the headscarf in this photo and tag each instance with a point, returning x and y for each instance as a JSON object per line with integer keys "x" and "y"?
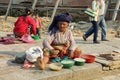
{"x": 60, "y": 17}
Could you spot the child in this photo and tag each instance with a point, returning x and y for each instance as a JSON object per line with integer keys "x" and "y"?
{"x": 23, "y": 22}
{"x": 38, "y": 23}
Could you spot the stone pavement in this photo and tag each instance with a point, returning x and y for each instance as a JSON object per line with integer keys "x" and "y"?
{"x": 112, "y": 77}
{"x": 11, "y": 71}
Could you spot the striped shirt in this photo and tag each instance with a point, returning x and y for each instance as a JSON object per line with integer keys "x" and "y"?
{"x": 95, "y": 8}
{"x": 58, "y": 38}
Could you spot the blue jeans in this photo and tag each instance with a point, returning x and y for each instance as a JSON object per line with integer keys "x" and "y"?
{"x": 102, "y": 24}
{"x": 93, "y": 29}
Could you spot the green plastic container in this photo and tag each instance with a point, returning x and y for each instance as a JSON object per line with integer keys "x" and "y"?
{"x": 79, "y": 61}
{"x": 35, "y": 37}
{"x": 67, "y": 63}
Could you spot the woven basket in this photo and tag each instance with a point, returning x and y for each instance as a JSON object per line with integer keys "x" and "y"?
{"x": 55, "y": 66}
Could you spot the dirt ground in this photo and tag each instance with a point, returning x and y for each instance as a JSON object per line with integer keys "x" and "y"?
{"x": 7, "y": 27}
{"x": 8, "y": 52}
{"x": 79, "y": 29}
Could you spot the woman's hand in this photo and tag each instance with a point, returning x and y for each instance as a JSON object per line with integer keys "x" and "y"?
{"x": 63, "y": 51}
{"x": 60, "y": 48}
{"x": 67, "y": 44}
{"x": 53, "y": 51}
{"x": 71, "y": 53}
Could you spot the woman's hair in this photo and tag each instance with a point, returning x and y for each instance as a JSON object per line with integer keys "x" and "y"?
{"x": 28, "y": 11}
{"x": 60, "y": 17}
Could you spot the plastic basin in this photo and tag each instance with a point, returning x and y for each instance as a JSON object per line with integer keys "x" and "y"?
{"x": 79, "y": 61}
{"x": 67, "y": 63}
{"x": 89, "y": 58}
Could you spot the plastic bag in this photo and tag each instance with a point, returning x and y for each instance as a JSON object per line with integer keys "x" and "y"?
{"x": 33, "y": 53}
{"x": 27, "y": 38}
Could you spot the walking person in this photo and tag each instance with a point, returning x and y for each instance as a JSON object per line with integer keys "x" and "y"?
{"x": 94, "y": 21}
{"x": 101, "y": 23}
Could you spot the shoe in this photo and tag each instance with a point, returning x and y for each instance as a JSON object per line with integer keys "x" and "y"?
{"x": 104, "y": 40}
{"x": 96, "y": 42}
{"x": 84, "y": 37}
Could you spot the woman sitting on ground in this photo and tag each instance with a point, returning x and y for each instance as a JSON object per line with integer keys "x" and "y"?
{"x": 23, "y": 23}
{"x": 59, "y": 42}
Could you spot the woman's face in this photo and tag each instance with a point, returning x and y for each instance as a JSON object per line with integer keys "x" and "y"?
{"x": 62, "y": 26}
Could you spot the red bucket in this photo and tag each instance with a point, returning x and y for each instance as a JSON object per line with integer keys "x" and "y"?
{"x": 89, "y": 58}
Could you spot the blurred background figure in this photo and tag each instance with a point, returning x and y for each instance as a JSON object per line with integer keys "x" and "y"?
{"x": 94, "y": 20}
{"x": 38, "y": 23}
{"x": 101, "y": 23}
{"x": 21, "y": 26}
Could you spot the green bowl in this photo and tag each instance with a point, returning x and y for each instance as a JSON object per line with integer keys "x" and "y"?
{"x": 35, "y": 37}
{"x": 79, "y": 61}
{"x": 67, "y": 63}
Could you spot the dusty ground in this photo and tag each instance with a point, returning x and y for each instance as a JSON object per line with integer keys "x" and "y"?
{"x": 8, "y": 52}
{"x": 87, "y": 47}
{"x": 79, "y": 29}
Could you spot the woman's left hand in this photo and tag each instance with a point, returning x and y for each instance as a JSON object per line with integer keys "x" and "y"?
{"x": 71, "y": 53}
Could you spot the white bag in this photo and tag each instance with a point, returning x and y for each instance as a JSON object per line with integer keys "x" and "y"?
{"x": 33, "y": 53}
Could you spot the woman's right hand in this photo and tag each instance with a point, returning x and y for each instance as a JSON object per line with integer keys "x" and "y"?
{"x": 53, "y": 51}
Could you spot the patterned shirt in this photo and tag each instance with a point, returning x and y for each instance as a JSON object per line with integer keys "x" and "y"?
{"x": 58, "y": 38}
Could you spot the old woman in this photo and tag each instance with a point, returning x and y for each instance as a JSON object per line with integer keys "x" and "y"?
{"x": 60, "y": 41}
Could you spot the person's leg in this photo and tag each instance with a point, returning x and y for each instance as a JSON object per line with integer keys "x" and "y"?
{"x": 30, "y": 29}
{"x": 88, "y": 33}
{"x": 95, "y": 26}
{"x": 102, "y": 24}
{"x": 38, "y": 31}
{"x": 19, "y": 34}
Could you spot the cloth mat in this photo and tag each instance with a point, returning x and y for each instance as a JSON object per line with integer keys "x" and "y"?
{"x": 9, "y": 39}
